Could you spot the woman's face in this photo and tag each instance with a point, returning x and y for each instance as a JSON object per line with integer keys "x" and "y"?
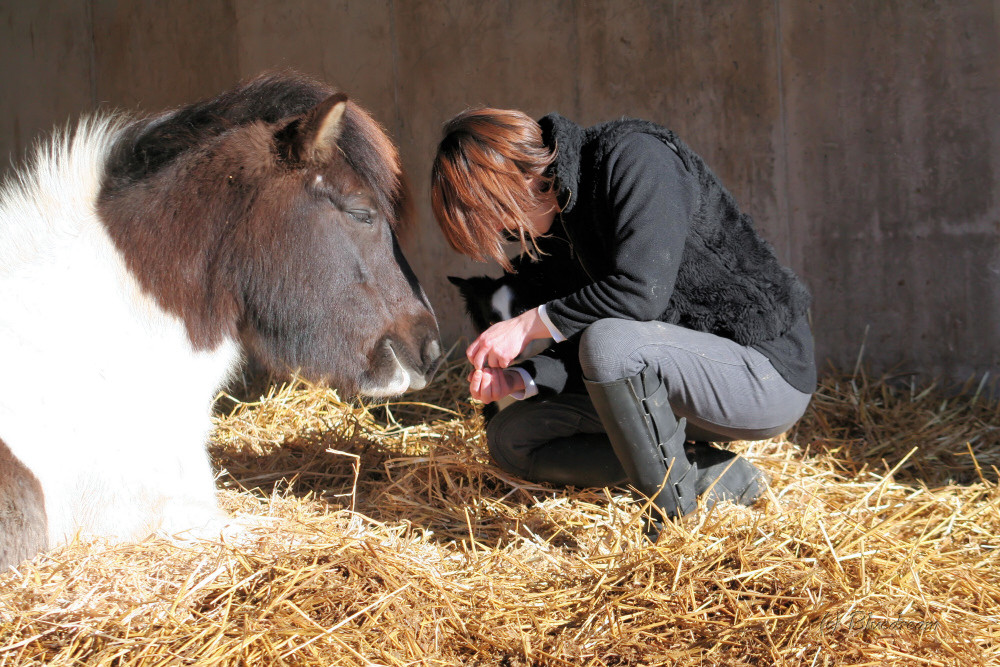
{"x": 540, "y": 221}
{"x": 540, "y": 218}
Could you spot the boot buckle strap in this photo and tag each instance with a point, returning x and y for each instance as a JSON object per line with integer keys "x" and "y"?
{"x": 679, "y": 462}
{"x": 653, "y": 406}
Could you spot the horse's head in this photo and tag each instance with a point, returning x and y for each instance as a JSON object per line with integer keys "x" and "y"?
{"x": 269, "y": 214}
{"x": 326, "y": 288}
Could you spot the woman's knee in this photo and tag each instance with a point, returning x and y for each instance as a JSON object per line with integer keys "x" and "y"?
{"x": 516, "y": 432}
{"x": 504, "y": 438}
{"x": 607, "y": 350}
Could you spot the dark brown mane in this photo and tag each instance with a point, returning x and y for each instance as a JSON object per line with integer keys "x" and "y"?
{"x": 152, "y": 144}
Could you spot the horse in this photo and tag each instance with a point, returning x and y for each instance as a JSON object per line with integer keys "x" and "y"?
{"x": 143, "y": 259}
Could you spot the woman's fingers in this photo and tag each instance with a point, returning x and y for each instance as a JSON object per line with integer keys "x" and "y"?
{"x": 471, "y": 352}
{"x": 488, "y": 385}
{"x": 496, "y": 360}
{"x": 479, "y": 386}
{"x": 478, "y": 353}
{"x": 499, "y": 345}
{"x": 496, "y": 347}
{"x": 475, "y": 380}
{"x": 481, "y": 353}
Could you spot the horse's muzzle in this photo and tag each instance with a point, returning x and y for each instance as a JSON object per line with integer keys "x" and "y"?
{"x": 398, "y": 366}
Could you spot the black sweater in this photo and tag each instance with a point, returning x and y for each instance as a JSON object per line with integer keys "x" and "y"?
{"x": 647, "y": 232}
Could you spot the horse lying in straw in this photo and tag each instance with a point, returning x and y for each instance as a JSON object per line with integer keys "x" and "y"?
{"x": 138, "y": 258}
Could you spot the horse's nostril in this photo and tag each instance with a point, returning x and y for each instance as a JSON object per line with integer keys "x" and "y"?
{"x": 432, "y": 350}
{"x": 432, "y": 357}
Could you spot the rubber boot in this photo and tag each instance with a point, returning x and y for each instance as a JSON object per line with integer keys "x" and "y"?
{"x": 725, "y": 476}
{"x": 585, "y": 459}
{"x": 648, "y": 441}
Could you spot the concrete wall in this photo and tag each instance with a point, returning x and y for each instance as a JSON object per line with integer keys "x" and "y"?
{"x": 862, "y": 136}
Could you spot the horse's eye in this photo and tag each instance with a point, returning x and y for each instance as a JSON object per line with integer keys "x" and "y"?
{"x": 361, "y": 215}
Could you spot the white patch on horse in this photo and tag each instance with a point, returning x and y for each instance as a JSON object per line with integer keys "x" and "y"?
{"x": 400, "y": 378}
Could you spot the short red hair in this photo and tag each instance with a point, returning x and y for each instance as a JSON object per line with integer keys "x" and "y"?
{"x": 485, "y": 174}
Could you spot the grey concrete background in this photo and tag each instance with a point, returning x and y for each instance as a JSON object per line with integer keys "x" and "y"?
{"x": 862, "y": 136}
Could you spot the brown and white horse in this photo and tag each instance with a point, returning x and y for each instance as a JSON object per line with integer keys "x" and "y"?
{"x": 139, "y": 258}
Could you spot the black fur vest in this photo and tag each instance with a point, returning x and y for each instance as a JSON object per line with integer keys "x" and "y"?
{"x": 729, "y": 283}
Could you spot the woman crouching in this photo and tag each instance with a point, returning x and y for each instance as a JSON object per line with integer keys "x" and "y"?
{"x": 676, "y": 325}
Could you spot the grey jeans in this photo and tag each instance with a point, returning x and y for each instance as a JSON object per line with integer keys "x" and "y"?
{"x": 725, "y": 391}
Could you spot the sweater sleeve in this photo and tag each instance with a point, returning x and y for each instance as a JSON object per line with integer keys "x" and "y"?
{"x": 556, "y": 370}
{"x": 650, "y": 197}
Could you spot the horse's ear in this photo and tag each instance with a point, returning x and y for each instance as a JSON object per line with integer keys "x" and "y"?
{"x": 317, "y": 133}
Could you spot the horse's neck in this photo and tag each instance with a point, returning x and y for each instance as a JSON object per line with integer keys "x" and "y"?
{"x": 68, "y": 303}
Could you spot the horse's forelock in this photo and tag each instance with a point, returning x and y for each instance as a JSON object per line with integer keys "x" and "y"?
{"x": 281, "y": 94}
{"x": 370, "y": 152}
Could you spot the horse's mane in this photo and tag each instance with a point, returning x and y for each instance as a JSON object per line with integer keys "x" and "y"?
{"x": 152, "y": 144}
{"x": 58, "y": 174}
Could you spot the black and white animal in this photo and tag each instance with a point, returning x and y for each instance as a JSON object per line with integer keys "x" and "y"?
{"x": 140, "y": 257}
{"x": 490, "y": 300}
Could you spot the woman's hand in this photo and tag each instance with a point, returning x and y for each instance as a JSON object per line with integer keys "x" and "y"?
{"x": 492, "y": 384}
{"x": 501, "y": 343}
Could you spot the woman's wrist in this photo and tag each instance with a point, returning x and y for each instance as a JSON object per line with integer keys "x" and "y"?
{"x": 536, "y": 327}
{"x": 515, "y": 380}
{"x": 554, "y": 332}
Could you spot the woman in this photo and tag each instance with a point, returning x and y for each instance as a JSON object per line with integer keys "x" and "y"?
{"x": 674, "y": 321}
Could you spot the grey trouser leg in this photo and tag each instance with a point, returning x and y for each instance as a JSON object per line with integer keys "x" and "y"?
{"x": 725, "y": 391}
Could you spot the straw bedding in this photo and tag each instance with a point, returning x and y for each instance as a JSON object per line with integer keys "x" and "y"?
{"x": 381, "y": 534}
